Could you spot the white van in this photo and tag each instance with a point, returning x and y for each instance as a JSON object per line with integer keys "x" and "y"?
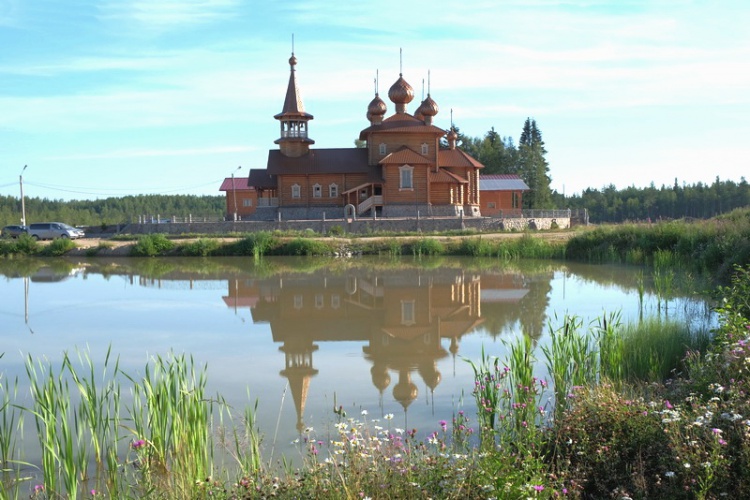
{"x": 51, "y": 230}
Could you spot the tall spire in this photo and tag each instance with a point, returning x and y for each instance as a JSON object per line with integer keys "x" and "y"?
{"x": 293, "y": 141}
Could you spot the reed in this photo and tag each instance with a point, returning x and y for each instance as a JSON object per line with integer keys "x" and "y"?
{"x": 570, "y": 360}
{"x": 60, "y": 434}
{"x": 11, "y": 423}
{"x": 172, "y": 416}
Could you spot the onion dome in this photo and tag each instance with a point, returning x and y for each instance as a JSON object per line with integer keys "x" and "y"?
{"x": 401, "y": 94}
{"x": 377, "y": 106}
{"x": 428, "y": 107}
{"x": 427, "y": 110}
{"x": 452, "y": 138}
{"x": 376, "y": 110}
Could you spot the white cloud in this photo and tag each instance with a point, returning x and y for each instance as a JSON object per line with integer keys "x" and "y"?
{"x": 166, "y": 14}
{"x": 153, "y": 153}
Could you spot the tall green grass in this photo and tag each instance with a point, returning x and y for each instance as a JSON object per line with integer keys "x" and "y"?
{"x": 716, "y": 245}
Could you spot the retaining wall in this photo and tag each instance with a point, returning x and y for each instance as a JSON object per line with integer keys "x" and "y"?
{"x": 359, "y": 226}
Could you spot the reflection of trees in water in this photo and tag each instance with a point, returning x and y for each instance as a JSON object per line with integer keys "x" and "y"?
{"x": 534, "y": 306}
{"x": 527, "y": 314}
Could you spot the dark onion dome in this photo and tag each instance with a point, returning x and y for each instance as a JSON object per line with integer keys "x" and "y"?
{"x": 428, "y": 107}
{"x": 401, "y": 92}
{"x": 292, "y": 61}
{"x": 376, "y": 107}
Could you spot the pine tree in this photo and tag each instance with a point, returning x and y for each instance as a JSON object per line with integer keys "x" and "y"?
{"x": 533, "y": 166}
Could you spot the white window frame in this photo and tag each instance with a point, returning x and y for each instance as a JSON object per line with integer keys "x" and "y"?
{"x": 409, "y": 170}
{"x": 296, "y": 191}
{"x": 317, "y": 190}
{"x": 333, "y": 190}
{"x": 382, "y": 148}
{"x": 408, "y": 312}
{"x": 247, "y": 202}
{"x": 425, "y": 148}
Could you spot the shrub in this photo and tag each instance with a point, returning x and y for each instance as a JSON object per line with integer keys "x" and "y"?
{"x": 305, "y": 246}
{"x": 202, "y": 247}
{"x": 58, "y": 247}
{"x": 151, "y": 245}
{"x": 427, "y": 246}
{"x": 335, "y": 230}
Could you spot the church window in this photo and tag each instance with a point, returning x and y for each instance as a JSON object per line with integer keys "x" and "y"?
{"x": 317, "y": 191}
{"x": 383, "y": 148}
{"x": 406, "y": 174}
{"x": 333, "y": 190}
{"x": 296, "y": 191}
{"x": 425, "y": 149}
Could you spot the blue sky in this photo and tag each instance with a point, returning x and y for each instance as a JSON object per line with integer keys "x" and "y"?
{"x": 114, "y": 97}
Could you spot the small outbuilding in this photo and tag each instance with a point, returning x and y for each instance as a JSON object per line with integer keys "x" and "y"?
{"x": 501, "y": 194}
{"x": 241, "y": 198}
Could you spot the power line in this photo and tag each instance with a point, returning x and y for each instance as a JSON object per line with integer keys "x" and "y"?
{"x": 121, "y": 191}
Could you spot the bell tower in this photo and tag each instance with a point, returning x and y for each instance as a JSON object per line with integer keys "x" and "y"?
{"x": 293, "y": 119}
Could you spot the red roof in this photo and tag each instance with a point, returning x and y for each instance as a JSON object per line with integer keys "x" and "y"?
{"x": 240, "y": 184}
{"x": 404, "y": 155}
{"x": 445, "y": 176}
{"x": 456, "y": 158}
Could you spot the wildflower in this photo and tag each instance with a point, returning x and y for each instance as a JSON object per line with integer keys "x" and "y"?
{"x": 389, "y": 416}
{"x": 444, "y": 425}
{"x": 138, "y": 444}
{"x": 93, "y": 493}
{"x": 669, "y": 474}
{"x": 686, "y": 465}
{"x": 538, "y": 487}
{"x": 716, "y": 431}
{"x": 668, "y": 405}
{"x": 364, "y": 412}
{"x": 308, "y": 430}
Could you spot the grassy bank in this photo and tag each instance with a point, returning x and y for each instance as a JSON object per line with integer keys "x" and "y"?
{"x": 714, "y": 245}
{"x": 606, "y": 422}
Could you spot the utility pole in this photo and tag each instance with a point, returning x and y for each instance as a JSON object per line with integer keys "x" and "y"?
{"x": 23, "y": 202}
{"x": 234, "y": 194}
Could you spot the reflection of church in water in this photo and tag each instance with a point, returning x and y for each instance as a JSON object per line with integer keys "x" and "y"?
{"x": 404, "y": 318}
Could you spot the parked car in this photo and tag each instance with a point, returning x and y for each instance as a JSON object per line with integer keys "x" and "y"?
{"x": 51, "y": 230}
{"x": 14, "y": 231}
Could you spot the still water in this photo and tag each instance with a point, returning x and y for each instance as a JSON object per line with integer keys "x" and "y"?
{"x": 300, "y": 335}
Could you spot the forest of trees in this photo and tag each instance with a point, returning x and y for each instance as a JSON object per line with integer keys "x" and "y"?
{"x": 702, "y": 201}
{"x": 110, "y": 210}
{"x": 497, "y": 153}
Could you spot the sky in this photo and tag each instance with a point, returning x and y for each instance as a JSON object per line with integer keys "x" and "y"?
{"x": 103, "y": 98}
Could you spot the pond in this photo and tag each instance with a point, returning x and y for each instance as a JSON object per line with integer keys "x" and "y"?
{"x": 377, "y": 335}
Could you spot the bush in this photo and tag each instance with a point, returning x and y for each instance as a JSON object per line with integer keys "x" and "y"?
{"x": 335, "y": 230}
{"x": 151, "y": 245}
{"x": 202, "y": 247}
{"x": 427, "y": 246}
{"x": 24, "y": 244}
{"x": 305, "y": 246}
{"x": 58, "y": 247}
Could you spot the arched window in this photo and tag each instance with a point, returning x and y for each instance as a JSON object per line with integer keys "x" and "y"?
{"x": 296, "y": 191}
{"x": 317, "y": 191}
{"x": 406, "y": 176}
{"x": 333, "y": 190}
{"x": 383, "y": 149}
{"x": 425, "y": 148}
